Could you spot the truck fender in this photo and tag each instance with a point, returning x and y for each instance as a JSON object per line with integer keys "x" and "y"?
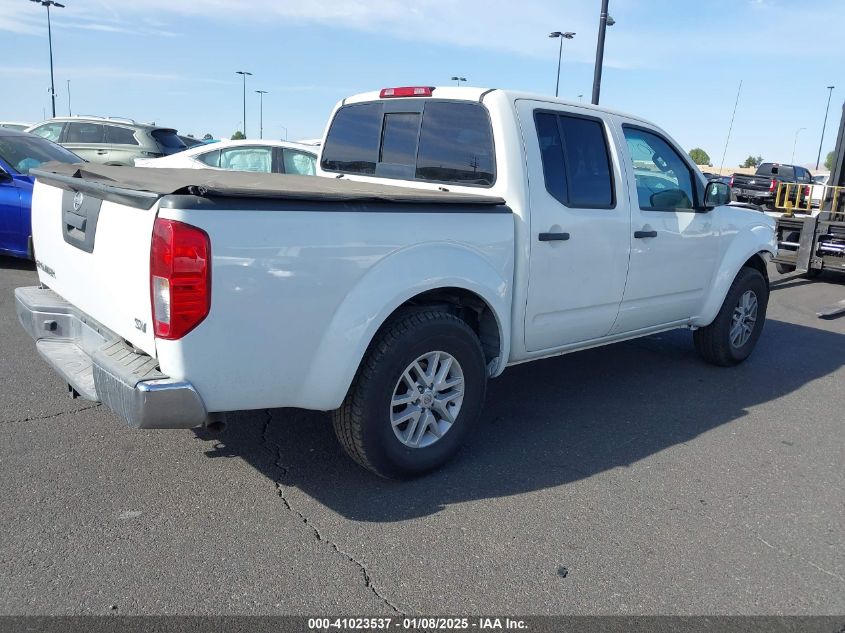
{"x": 757, "y": 239}
{"x": 390, "y": 283}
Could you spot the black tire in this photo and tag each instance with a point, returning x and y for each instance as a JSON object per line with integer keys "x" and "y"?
{"x": 713, "y": 342}
{"x": 785, "y": 269}
{"x": 363, "y": 425}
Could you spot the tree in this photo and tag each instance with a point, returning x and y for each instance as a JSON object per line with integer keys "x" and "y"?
{"x": 699, "y": 156}
{"x": 752, "y": 161}
{"x": 207, "y": 137}
{"x": 828, "y": 161}
{"x": 238, "y": 136}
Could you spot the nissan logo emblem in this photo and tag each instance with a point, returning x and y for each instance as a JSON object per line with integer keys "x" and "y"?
{"x": 77, "y": 200}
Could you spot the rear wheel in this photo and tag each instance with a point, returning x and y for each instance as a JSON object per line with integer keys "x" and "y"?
{"x": 419, "y": 390}
{"x": 731, "y": 337}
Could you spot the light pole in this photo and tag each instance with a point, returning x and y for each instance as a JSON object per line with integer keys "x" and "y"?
{"x": 604, "y": 21}
{"x": 48, "y": 4}
{"x": 459, "y": 79}
{"x": 567, "y": 35}
{"x": 261, "y": 94}
{"x": 286, "y": 132}
{"x": 69, "y": 113}
{"x": 244, "y": 74}
{"x": 824, "y": 125}
{"x": 797, "y": 132}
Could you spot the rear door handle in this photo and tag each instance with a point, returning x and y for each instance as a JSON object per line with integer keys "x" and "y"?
{"x": 102, "y": 151}
{"x": 641, "y": 234}
{"x": 553, "y": 237}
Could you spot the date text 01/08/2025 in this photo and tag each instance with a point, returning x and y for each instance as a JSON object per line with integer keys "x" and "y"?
{"x": 415, "y": 623}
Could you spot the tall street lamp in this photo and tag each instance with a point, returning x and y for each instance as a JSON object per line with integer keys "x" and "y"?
{"x": 824, "y": 125}
{"x": 48, "y": 4}
{"x": 244, "y": 74}
{"x": 797, "y": 132}
{"x": 604, "y": 21}
{"x": 567, "y": 35}
{"x": 459, "y": 79}
{"x": 261, "y": 94}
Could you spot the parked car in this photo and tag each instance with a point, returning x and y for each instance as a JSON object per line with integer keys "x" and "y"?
{"x": 20, "y": 152}
{"x": 278, "y": 157}
{"x": 20, "y": 126}
{"x": 110, "y": 140}
{"x": 761, "y": 187}
{"x": 523, "y": 230}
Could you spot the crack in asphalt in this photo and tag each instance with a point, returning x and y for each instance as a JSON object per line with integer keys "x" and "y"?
{"x": 280, "y": 490}
{"x": 37, "y": 418}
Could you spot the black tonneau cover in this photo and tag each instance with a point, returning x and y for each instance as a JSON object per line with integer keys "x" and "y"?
{"x": 144, "y": 185}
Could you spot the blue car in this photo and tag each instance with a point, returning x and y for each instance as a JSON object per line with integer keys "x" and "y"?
{"x": 20, "y": 152}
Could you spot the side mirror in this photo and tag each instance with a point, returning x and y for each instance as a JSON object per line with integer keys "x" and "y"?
{"x": 716, "y": 194}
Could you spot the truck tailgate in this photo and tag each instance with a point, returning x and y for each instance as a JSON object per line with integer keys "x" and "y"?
{"x": 95, "y": 254}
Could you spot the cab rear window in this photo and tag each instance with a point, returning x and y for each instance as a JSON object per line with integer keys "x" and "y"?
{"x": 433, "y": 141}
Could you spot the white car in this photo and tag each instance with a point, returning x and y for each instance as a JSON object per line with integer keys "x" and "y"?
{"x": 523, "y": 230}
{"x": 262, "y": 156}
{"x": 819, "y": 183}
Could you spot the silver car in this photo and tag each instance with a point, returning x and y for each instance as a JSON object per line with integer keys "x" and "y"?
{"x": 109, "y": 140}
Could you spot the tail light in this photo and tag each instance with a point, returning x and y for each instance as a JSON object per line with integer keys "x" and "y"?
{"x": 732, "y": 181}
{"x": 807, "y": 191}
{"x": 180, "y": 281}
{"x": 772, "y": 184}
{"x": 406, "y": 91}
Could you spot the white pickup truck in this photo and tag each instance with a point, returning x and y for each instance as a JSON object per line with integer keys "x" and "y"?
{"x": 524, "y": 227}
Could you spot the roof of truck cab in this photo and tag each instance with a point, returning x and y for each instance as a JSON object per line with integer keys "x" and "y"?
{"x": 214, "y": 183}
{"x": 470, "y": 93}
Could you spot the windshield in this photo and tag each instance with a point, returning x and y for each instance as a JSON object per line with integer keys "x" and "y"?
{"x": 23, "y": 153}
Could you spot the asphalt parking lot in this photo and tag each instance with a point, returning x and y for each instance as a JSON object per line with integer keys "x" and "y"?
{"x": 633, "y": 479}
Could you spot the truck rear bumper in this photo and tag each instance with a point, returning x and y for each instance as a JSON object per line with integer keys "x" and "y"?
{"x": 100, "y": 366}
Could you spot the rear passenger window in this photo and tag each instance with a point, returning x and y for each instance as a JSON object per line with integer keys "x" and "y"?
{"x": 456, "y": 144}
{"x": 120, "y": 135}
{"x": 352, "y": 144}
{"x": 78, "y": 132}
{"x": 439, "y": 141}
{"x": 576, "y": 163}
{"x": 212, "y": 159}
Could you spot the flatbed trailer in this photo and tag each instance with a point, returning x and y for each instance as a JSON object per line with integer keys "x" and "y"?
{"x": 810, "y": 241}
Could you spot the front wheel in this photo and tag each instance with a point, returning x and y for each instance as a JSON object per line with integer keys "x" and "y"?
{"x": 731, "y": 337}
{"x": 418, "y": 392}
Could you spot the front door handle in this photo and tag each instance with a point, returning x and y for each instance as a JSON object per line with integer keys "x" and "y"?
{"x": 102, "y": 151}
{"x": 641, "y": 234}
{"x": 553, "y": 237}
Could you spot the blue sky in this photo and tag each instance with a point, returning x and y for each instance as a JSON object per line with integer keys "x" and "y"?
{"x": 675, "y": 62}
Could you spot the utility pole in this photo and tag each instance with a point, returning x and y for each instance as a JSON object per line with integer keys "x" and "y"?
{"x": 261, "y": 94}
{"x": 48, "y": 4}
{"x": 824, "y": 125}
{"x": 244, "y": 74}
{"x": 604, "y": 22}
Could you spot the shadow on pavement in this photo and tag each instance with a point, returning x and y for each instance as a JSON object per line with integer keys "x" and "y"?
{"x": 16, "y": 263}
{"x": 545, "y": 423}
